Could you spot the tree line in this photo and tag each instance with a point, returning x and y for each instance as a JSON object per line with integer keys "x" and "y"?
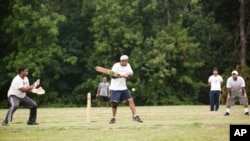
{"x": 172, "y": 45}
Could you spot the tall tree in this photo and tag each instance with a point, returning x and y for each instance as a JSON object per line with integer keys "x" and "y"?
{"x": 242, "y": 33}
{"x": 33, "y": 29}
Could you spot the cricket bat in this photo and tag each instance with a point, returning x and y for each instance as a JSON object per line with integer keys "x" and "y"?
{"x": 106, "y": 71}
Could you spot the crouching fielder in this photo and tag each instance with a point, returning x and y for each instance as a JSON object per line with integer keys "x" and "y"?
{"x": 17, "y": 96}
{"x": 236, "y": 89}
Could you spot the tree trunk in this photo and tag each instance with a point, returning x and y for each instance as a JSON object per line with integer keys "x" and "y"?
{"x": 242, "y": 34}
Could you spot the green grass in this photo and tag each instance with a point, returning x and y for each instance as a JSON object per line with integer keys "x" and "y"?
{"x": 161, "y": 123}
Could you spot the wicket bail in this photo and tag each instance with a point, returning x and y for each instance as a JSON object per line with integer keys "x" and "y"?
{"x": 88, "y": 107}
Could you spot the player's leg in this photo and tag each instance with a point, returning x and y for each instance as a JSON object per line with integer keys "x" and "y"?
{"x": 212, "y": 99}
{"x": 230, "y": 102}
{"x": 100, "y": 101}
{"x": 107, "y": 101}
{"x": 31, "y": 104}
{"x": 217, "y": 100}
{"x": 114, "y": 108}
{"x": 114, "y": 99}
{"x": 244, "y": 102}
{"x": 127, "y": 96}
{"x": 14, "y": 104}
{"x": 132, "y": 106}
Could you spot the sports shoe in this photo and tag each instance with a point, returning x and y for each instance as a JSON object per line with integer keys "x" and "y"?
{"x": 5, "y": 123}
{"x": 247, "y": 113}
{"x": 227, "y": 114}
{"x": 137, "y": 118}
{"x": 32, "y": 123}
{"x": 112, "y": 120}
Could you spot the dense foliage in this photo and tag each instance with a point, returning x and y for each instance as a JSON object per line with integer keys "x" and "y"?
{"x": 172, "y": 45}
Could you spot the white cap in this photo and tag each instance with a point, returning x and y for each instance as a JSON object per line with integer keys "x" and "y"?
{"x": 124, "y": 57}
{"x": 235, "y": 72}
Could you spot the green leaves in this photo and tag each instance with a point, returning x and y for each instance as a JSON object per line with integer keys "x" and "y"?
{"x": 34, "y": 31}
{"x": 172, "y": 45}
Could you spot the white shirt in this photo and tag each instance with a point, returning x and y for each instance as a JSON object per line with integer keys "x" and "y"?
{"x": 16, "y": 84}
{"x": 235, "y": 85}
{"x": 215, "y": 82}
{"x": 120, "y": 83}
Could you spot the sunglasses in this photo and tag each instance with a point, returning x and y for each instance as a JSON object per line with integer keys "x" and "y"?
{"x": 124, "y": 60}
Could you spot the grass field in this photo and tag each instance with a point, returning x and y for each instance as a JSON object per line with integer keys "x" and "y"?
{"x": 161, "y": 123}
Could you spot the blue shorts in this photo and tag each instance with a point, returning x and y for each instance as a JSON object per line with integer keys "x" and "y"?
{"x": 120, "y": 95}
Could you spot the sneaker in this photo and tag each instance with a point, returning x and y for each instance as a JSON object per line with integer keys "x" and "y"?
{"x": 5, "y": 123}
{"x": 137, "y": 118}
{"x": 227, "y": 114}
{"x": 112, "y": 120}
{"x": 247, "y": 113}
{"x": 32, "y": 123}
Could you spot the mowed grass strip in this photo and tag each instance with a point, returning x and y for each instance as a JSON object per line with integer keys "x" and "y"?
{"x": 161, "y": 123}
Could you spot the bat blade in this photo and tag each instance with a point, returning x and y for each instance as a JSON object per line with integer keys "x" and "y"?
{"x": 106, "y": 71}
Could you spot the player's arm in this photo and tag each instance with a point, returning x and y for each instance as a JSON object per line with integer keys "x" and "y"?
{"x": 130, "y": 72}
{"x": 221, "y": 82}
{"x": 243, "y": 91}
{"x": 209, "y": 81}
{"x": 26, "y": 89}
{"x": 114, "y": 70}
{"x": 115, "y": 77}
{"x": 98, "y": 92}
{"x": 229, "y": 90}
{"x": 31, "y": 87}
{"x": 127, "y": 75}
{"x": 36, "y": 83}
{"x": 229, "y": 87}
{"x": 108, "y": 92}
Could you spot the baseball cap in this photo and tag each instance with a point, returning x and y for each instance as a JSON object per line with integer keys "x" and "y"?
{"x": 124, "y": 57}
{"x": 235, "y": 72}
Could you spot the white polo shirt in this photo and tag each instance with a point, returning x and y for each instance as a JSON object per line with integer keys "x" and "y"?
{"x": 16, "y": 84}
{"x": 120, "y": 83}
{"x": 215, "y": 82}
{"x": 235, "y": 85}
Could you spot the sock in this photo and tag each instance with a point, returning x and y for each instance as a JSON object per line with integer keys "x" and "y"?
{"x": 134, "y": 115}
{"x": 246, "y": 110}
{"x": 228, "y": 110}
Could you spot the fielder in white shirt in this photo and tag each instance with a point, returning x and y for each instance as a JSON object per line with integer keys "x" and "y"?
{"x": 236, "y": 89}
{"x": 119, "y": 90}
{"x": 17, "y": 95}
{"x": 215, "y": 82}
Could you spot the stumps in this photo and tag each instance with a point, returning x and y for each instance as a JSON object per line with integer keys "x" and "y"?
{"x": 88, "y": 107}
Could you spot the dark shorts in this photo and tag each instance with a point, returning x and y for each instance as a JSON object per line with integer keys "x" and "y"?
{"x": 120, "y": 95}
{"x": 103, "y": 98}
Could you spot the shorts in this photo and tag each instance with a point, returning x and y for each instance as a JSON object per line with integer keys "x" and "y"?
{"x": 120, "y": 95}
{"x": 235, "y": 96}
{"x": 103, "y": 98}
